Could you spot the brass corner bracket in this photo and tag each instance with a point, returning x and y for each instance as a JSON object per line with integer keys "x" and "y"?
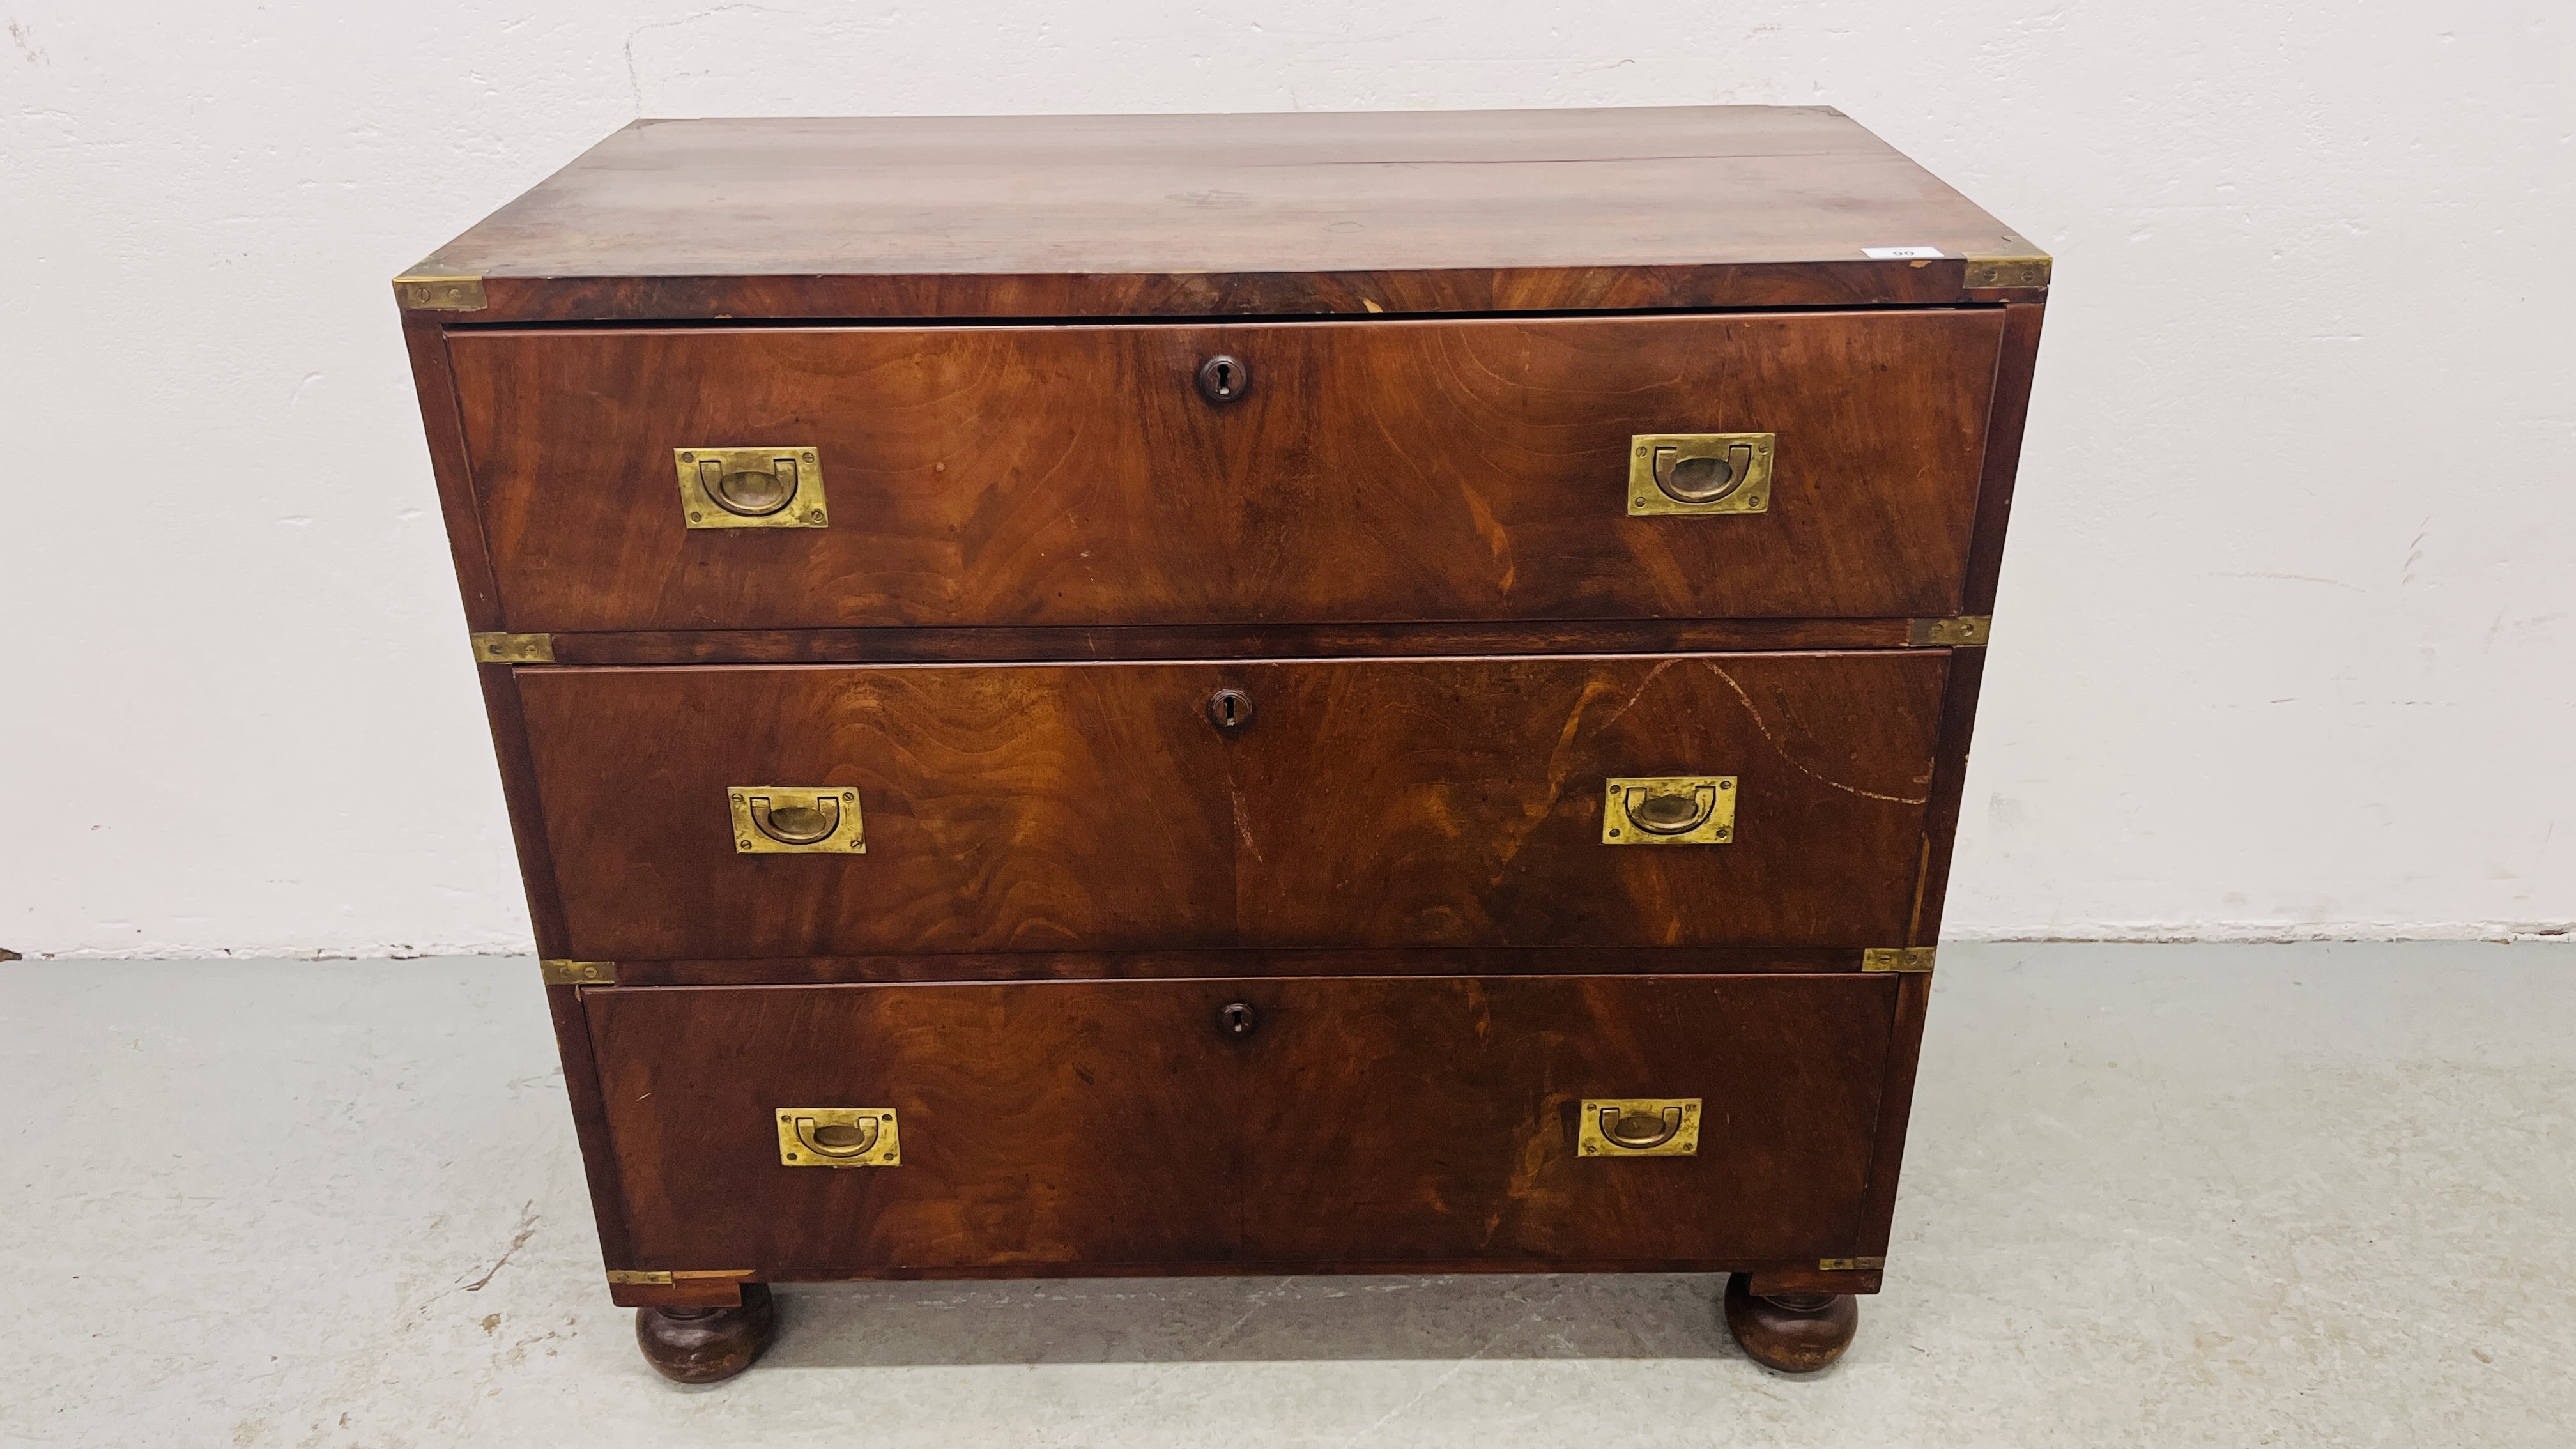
{"x": 514, "y": 648}
{"x": 1898, "y": 958}
{"x": 2022, "y": 271}
{"x": 1965, "y": 631}
{"x": 1850, "y": 1265}
{"x": 428, "y": 292}
{"x": 578, "y": 973}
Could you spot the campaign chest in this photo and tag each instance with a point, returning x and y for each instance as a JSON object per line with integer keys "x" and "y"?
{"x": 1245, "y": 694}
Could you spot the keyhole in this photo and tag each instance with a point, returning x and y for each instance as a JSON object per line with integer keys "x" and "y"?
{"x": 1224, "y": 379}
{"x": 1229, "y": 709}
{"x": 1236, "y": 1018}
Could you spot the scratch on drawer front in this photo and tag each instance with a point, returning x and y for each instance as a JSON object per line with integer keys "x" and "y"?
{"x": 1764, "y": 726}
{"x": 1496, "y": 540}
{"x": 1242, "y": 830}
{"x": 1536, "y": 811}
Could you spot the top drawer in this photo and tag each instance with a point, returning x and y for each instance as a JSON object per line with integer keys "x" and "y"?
{"x": 1368, "y": 472}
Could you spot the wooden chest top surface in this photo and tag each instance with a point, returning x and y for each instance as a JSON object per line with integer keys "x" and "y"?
{"x": 1292, "y": 213}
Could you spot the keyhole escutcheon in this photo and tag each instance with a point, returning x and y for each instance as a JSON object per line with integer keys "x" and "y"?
{"x": 1237, "y": 1018}
{"x": 1223, "y": 379}
{"x": 1229, "y": 709}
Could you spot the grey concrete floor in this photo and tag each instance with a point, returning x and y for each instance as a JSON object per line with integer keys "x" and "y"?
{"x": 2162, "y": 1195}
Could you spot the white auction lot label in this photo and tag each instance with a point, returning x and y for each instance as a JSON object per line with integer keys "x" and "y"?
{"x": 1899, "y": 254}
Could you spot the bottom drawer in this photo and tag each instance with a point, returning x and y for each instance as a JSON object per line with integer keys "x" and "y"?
{"x": 1124, "y": 1125}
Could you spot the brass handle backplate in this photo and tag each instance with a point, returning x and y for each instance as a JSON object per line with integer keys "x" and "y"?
{"x": 796, "y": 820}
{"x": 838, "y": 1137}
{"x": 1669, "y": 810}
{"x": 1697, "y": 473}
{"x": 751, "y": 487}
{"x": 1639, "y": 1127}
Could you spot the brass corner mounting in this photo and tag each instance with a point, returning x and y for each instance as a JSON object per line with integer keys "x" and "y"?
{"x": 514, "y": 648}
{"x": 679, "y": 1287}
{"x": 1966, "y": 631}
{"x": 779, "y": 487}
{"x": 838, "y": 1137}
{"x": 1910, "y": 959}
{"x": 1669, "y": 810}
{"x": 1639, "y": 1127}
{"x": 1850, "y": 1265}
{"x": 429, "y": 292}
{"x": 578, "y": 973}
{"x": 2029, "y": 270}
{"x": 1687, "y": 474}
{"x": 797, "y": 820}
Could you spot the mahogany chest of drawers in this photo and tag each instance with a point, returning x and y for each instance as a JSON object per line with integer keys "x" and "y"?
{"x": 1255, "y": 694}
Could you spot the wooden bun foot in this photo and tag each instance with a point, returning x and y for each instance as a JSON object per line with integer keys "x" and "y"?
{"x": 702, "y": 1345}
{"x": 1796, "y": 1333}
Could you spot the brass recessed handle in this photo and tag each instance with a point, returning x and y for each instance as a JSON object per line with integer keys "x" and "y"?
{"x": 1638, "y": 1131}
{"x": 796, "y": 824}
{"x": 1640, "y": 1127}
{"x": 749, "y": 492}
{"x": 796, "y": 819}
{"x": 838, "y": 1137}
{"x": 751, "y": 487}
{"x": 1671, "y": 814}
{"x": 1669, "y": 810}
{"x": 1698, "y": 473}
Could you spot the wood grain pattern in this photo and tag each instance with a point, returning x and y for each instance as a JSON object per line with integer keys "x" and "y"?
{"x": 2015, "y": 365}
{"x": 1434, "y": 1120}
{"x": 1153, "y": 965}
{"x": 1376, "y": 472}
{"x": 1109, "y": 642}
{"x": 1037, "y": 216}
{"x": 1371, "y": 803}
{"x": 444, "y": 430}
{"x": 1066, "y": 1124}
{"x": 1098, "y": 1124}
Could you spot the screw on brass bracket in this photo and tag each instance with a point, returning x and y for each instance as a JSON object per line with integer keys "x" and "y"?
{"x": 1965, "y": 631}
{"x": 428, "y": 292}
{"x": 2022, "y": 271}
{"x": 514, "y": 648}
{"x": 1897, "y": 958}
{"x": 578, "y": 973}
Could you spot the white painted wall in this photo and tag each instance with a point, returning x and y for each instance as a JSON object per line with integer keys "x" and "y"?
{"x": 2285, "y": 638}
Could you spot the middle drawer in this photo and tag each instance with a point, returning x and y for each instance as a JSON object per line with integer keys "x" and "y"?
{"x": 1352, "y": 803}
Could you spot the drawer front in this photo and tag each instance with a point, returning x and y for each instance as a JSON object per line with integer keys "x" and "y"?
{"x": 1370, "y": 472}
{"x": 1365, "y": 803}
{"x": 1423, "y": 1120}
{"x": 1069, "y": 1125}
{"x": 1367, "y": 1121}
